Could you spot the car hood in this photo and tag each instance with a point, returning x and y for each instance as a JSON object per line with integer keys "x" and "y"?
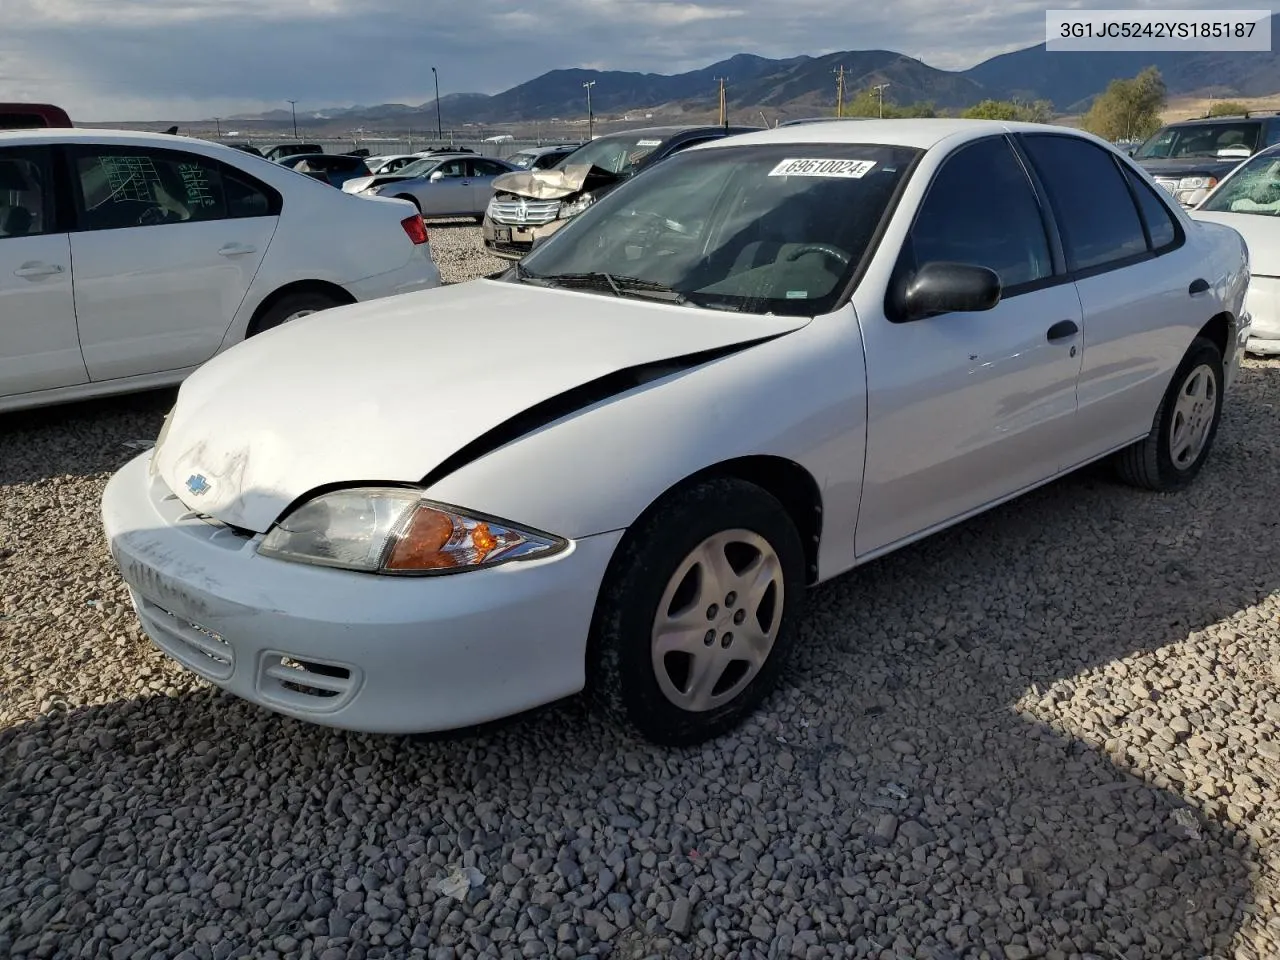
{"x": 387, "y": 390}
{"x": 555, "y": 184}
{"x": 1192, "y": 166}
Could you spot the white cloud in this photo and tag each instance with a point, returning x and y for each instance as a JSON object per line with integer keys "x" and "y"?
{"x": 188, "y": 59}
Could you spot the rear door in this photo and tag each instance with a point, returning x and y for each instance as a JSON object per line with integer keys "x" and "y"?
{"x": 165, "y": 245}
{"x": 482, "y": 173}
{"x": 1135, "y": 273}
{"x": 39, "y": 347}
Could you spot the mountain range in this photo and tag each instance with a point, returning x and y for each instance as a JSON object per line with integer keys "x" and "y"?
{"x": 802, "y": 85}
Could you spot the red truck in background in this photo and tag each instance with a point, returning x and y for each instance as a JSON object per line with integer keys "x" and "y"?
{"x": 32, "y": 116}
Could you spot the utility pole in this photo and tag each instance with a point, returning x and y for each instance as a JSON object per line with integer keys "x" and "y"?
{"x": 591, "y": 117}
{"x": 839, "y": 90}
{"x": 218, "y": 121}
{"x": 439, "y": 125}
{"x": 879, "y": 89}
{"x": 724, "y": 106}
{"x": 293, "y": 106}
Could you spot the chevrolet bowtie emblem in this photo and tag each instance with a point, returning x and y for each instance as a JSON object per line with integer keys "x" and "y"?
{"x": 197, "y": 484}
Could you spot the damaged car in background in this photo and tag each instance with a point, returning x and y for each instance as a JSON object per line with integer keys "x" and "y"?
{"x": 530, "y": 205}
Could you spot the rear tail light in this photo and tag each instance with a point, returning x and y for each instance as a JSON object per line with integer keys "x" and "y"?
{"x": 415, "y": 228}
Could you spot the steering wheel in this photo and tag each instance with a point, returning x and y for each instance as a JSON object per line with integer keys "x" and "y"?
{"x": 660, "y": 221}
{"x": 825, "y": 249}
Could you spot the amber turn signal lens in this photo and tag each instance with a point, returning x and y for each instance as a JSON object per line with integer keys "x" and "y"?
{"x": 422, "y": 544}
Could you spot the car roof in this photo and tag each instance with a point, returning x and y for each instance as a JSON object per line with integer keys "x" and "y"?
{"x": 922, "y": 134}
{"x": 72, "y": 134}
{"x": 1198, "y": 121}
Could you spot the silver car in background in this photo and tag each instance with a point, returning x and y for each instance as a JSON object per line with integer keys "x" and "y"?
{"x": 444, "y": 185}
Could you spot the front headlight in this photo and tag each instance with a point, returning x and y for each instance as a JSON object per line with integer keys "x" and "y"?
{"x": 395, "y": 531}
{"x": 488, "y": 211}
{"x": 1196, "y": 183}
{"x": 575, "y": 207}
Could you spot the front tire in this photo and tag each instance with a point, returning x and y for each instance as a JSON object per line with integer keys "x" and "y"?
{"x": 412, "y": 199}
{"x": 695, "y": 620}
{"x": 1185, "y": 425}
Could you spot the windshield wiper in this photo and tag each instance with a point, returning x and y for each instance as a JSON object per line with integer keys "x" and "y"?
{"x": 621, "y": 286}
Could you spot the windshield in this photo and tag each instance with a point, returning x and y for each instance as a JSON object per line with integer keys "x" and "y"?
{"x": 776, "y": 229}
{"x": 419, "y": 167}
{"x": 620, "y": 155}
{"x": 1201, "y": 140}
{"x": 1254, "y": 187}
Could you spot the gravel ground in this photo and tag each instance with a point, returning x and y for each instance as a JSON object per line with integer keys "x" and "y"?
{"x": 1051, "y": 732}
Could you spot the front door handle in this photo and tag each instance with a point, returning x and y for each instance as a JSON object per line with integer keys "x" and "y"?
{"x": 236, "y": 250}
{"x": 1198, "y": 286}
{"x": 35, "y": 271}
{"x": 1062, "y": 330}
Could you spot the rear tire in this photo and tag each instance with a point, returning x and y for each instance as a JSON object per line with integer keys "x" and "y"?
{"x": 1185, "y": 425}
{"x": 293, "y": 306}
{"x": 695, "y": 620}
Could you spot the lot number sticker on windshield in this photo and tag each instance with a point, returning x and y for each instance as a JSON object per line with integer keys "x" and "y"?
{"x": 648, "y": 143}
{"x": 852, "y": 169}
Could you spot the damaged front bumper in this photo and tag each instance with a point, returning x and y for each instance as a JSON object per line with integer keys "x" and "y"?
{"x": 350, "y": 650}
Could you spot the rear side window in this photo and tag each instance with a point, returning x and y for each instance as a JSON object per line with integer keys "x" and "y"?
{"x": 26, "y": 192}
{"x": 486, "y": 168}
{"x": 1092, "y": 204}
{"x": 119, "y": 187}
{"x": 1160, "y": 224}
{"x": 982, "y": 210}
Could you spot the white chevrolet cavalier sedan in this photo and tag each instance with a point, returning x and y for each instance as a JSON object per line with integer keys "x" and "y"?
{"x": 621, "y": 465}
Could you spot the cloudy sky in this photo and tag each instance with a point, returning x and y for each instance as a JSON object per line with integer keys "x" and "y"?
{"x": 191, "y": 59}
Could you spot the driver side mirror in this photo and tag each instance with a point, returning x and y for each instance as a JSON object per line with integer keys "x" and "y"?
{"x": 437, "y": 176}
{"x": 942, "y": 287}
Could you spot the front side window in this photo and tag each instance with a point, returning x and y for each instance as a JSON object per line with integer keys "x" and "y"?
{"x": 1254, "y": 187}
{"x": 982, "y": 210}
{"x": 1091, "y": 201}
{"x": 758, "y": 229}
{"x": 26, "y": 192}
{"x": 1201, "y": 141}
{"x": 453, "y": 168}
{"x": 130, "y": 187}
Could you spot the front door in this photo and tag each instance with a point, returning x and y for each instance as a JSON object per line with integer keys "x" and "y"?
{"x": 39, "y": 346}
{"x": 967, "y": 408}
{"x": 166, "y": 245}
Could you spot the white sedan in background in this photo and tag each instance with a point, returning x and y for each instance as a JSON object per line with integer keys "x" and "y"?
{"x": 766, "y": 361}
{"x": 1248, "y": 200}
{"x": 128, "y": 259}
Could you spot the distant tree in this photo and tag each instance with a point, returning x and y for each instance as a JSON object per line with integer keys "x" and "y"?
{"x": 1041, "y": 111}
{"x": 924, "y": 108}
{"x": 866, "y": 103}
{"x": 1227, "y": 108}
{"x": 1128, "y": 109}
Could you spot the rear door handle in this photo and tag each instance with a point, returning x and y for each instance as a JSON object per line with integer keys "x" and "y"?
{"x": 34, "y": 271}
{"x": 1062, "y": 330}
{"x": 1198, "y": 286}
{"x": 236, "y": 250}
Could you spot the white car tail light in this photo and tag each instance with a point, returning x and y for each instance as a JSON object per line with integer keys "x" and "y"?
{"x": 415, "y": 228}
